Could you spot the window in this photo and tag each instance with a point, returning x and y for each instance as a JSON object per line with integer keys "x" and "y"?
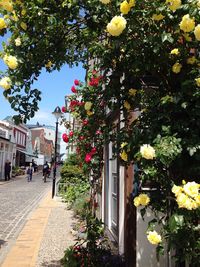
{"x": 114, "y": 191}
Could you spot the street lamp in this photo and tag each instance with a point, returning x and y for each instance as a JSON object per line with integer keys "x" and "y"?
{"x": 57, "y": 113}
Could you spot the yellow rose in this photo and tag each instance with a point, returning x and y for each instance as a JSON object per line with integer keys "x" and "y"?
{"x": 132, "y": 92}
{"x": 157, "y": 17}
{"x": 187, "y": 24}
{"x": 23, "y": 26}
{"x": 7, "y": 5}
{"x": 5, "y": 82}
{"x": 18, "y": 41}
{"x": 124, "y": 156}
{"x": 177, "y": 190}
{"x": 2, "y": 24}
{"x": 116, "y": 26}
{"x": 123, "y": 144}
{"x": 136, "y": 201}
{"x": 175, "y": 51}
{"x": 127, "y": 105}
{"x": 191, "y": 60}
{"x": 197, "y": 81}
{"x": 197, "y": 32}
{"x": 193, "y": 205}
{"x": 131, "y": 3}
{"x": 191, "y": 189}
{"x": 174, "y": 4}
{"x": 176, "y": 68}
{"x": 105, "y": 1}
{"x": 154, "y": 238}
{"x": 198, "y": 3}
{"x": 144, "y": 199}
{"x": 88, "y": 105}
{"x": 125, "y": 7}
{"x": 183, "y": 201}
{"x": 89, "y": 113}
{"x": 147, "y": 151}
{"x": 197, "y": 199}
{"x": 49, "y": 64}
{"x": 10, "y": 61}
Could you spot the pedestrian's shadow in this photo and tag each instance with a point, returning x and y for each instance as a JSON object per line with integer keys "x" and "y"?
{"x": 51, "y": 264}
{"x": 2, "y": 242}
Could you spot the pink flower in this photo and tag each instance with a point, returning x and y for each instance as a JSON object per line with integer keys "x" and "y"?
{"x": 98, "y": 132}
{"x": 76, "y": 82}
{"x": 71, "y": 134}
{"x": 73, "y": 89}
{"x": 81, "y": 138}
{"x": 88, "y": 158}
{"x": 64, "y": 109}
{"x": 94, "y": 72}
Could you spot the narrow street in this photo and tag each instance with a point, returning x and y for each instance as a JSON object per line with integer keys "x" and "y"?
{"x": 18, "y": 198}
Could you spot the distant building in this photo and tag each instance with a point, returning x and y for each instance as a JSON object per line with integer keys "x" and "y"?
{"x": 22, "y": 139}
{"x": 7, "y": 146}
{"x": 43, "y": 142}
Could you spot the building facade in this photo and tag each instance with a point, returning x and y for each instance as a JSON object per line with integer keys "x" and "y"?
{"x": 43, "y": 142}
{"x": 7, "y": 146}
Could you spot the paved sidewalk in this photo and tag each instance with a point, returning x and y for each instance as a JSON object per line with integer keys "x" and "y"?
{"x": 34, "y": 245}
{"x": 12, "y": 179}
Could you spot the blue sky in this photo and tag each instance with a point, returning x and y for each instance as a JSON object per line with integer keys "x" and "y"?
{"x": 54, "y": 86}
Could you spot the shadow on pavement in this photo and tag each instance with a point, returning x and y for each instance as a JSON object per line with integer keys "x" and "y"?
{"x": 51, "y": 264}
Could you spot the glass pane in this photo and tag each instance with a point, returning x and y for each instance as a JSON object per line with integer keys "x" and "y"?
{"x": 114, "y": 211}
{"x": 114, "y": 184}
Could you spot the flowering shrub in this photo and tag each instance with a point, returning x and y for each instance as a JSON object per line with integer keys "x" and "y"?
{"x": 148, "y": 57}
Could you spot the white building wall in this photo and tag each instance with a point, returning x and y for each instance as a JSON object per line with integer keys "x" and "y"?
{"x": 7, "y": 147}
{"x": 121, "y": 209}
{"x": 146, "y": 252}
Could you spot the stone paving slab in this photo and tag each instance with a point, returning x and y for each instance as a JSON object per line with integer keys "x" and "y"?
{"x": 57, "y": 236}
{"x": 25, "y": 251}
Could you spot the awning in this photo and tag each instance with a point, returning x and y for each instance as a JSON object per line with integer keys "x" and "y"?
{"x": 26, "y": 153}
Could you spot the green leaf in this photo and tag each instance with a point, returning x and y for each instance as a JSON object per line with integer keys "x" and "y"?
{"x": 176, "y": 222}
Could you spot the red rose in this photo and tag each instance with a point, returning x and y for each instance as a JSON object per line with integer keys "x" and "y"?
{"x": 65, "y": 138}
{"x": 81, "y": 138}
{"x": 64, "y": 109}
{"x": 73, "y": 89}
{"x": 85, "y": 122}
{"x": 88, "y": 158}
{"x": 94, "y": 82}
{"x": 76, "y": 82}
{"x": 93, "y": 151}
{"x": 71, "y": 134}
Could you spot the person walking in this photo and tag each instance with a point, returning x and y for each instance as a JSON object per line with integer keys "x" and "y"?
{"x": 45, "y": 171}
{"x": 29, "y": 172}
{"x": 7, "y": 170}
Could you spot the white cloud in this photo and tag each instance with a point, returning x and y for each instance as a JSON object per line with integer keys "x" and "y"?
{"x": 43, "y": 117}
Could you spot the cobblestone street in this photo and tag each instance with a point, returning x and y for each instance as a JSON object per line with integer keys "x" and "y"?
{"x": 18, "y": 198}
